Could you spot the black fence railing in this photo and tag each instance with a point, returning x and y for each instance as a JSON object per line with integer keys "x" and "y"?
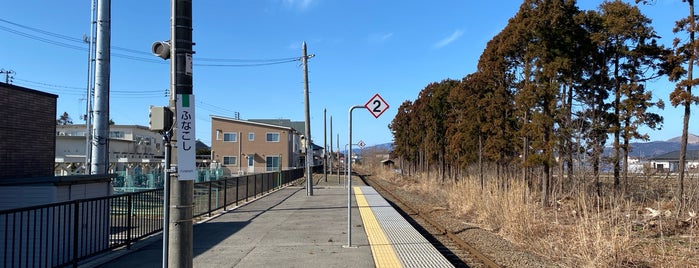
{"x": 62, "y": 234}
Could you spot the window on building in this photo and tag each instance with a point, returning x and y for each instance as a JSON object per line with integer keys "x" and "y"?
{"x": 251, "y": 136}
{"x": 77, "y": 133}
{"x": 273, "y": 163}
{"x": 142, "y": 140}
{"x": 230, "y": 136}
{"x": 230, "y": 160}
{"x": 117, "y": 134}
{"x": 272, "y": 136}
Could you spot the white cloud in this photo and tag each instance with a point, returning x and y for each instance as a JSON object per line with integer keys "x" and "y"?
{"x": 378, "y": 38}
{"x": 448, "y": 40}
{"x": 300, "y": 4}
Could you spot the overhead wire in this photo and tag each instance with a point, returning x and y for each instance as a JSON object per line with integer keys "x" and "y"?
{"x": 248, "y": 64}
{"x": 215, "y": 109}
{"x": 83, "y": 47}
{"x": 71, "y": 90}
{"x": 81, "y": 44}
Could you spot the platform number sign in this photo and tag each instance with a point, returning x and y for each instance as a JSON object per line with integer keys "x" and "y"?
{"x": 376, "y": 105}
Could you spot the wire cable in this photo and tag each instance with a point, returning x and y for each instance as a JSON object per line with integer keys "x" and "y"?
{"x": 83, "y": 47}
{"x": 246, "y": 65}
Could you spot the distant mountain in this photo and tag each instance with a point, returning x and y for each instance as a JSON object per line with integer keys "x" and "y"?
{"x": 384, "y": 147}
{"x": 638, "y": 149}
{"x": 654, "y": 148}
{"x": 381, "y": 147}
{"x": 691, "y": 139}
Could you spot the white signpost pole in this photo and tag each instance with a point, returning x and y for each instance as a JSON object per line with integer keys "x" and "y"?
{"x": 376, "y": 106}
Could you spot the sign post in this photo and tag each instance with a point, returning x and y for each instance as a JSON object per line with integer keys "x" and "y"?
{"x": 186, "y": 149}
{"x": 376, "y": 106}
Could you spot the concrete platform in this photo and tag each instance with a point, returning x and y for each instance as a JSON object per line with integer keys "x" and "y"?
{"x": 287, "y": 228}
{"x": 283, "y": 229}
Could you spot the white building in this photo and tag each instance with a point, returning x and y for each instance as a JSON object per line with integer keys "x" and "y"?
{"x": 130, "y": 146}
{"x": 670, "y": 162}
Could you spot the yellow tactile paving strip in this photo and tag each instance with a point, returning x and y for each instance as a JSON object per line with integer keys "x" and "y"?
{"x": 381, "y": 248}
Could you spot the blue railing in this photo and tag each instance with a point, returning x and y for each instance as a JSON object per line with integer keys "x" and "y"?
{"x": 62, "y": 234}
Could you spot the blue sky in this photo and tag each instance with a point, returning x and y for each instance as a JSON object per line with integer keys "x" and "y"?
{"x": 361, "y": 47}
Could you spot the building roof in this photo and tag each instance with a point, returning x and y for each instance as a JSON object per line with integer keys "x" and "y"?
{"x": 15, "y": 87}
{"x": 202, "y": 146}
{"x": 250, "y": 122}
{"x": 675, "y": 156}
{"x": 82, "y": 126}
{"x": 299, "y": 126}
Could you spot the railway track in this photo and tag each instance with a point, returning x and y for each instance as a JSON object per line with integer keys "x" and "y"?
{"x": 456, "y": 250}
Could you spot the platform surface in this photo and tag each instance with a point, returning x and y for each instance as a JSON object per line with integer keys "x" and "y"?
{"x": 287, "y": 228}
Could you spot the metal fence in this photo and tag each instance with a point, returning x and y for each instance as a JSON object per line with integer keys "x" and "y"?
{"x": 61, "y": 234}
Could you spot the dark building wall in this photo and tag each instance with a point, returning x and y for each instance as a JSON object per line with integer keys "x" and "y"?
{"x": 27, "y": 132}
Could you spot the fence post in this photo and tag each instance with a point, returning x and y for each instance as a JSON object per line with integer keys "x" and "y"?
{"x": 76, "y": 228}
{"x": 225, "y": 194}
{"x": 129, "y": 211}
{"x": 209, "y": 198}
{"x": 237, "y": 187}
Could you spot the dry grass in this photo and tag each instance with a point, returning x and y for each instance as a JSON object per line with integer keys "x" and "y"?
{"x": 580, "y": 230}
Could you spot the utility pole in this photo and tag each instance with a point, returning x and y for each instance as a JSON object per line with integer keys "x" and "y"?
{"x": 338, "y": 158}
{"x": 8, "y": 75}
{"x": 331, "y": 145}
{"x": 90, "y": 83}
{"x": 309, "y": 145}
{"x": 100, "y": 114}
{"x": 182, "y": 192}
{"x": 325, "y": 144}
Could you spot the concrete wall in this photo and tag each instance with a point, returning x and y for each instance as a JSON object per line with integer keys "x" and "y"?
{"x": 26, "y": 192}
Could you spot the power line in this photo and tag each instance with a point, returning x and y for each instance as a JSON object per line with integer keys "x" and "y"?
{"x": 247, "y": 65}
{"x": 248, "y": 60}
{"x": 64, "y": 37}
{"x": 216, "y": 109}
{"x": 45, "y": 40}
{"x": 71, "y": 90}
{"x": 82, "y": 47}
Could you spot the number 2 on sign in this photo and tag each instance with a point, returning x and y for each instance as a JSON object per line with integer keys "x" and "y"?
{"x": 377, "y": 106}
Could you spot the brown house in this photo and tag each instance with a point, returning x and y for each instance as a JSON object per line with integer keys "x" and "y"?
{"x": 244, "y": 147}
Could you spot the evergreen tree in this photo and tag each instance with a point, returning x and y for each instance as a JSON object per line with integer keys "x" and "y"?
{"x": 64, "y": 119}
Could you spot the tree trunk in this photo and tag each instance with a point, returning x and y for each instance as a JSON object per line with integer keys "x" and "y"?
{"x": 687, "y": 103}
{"x": 625, "y": 171}
{"x": 569, "y": 138}
{"x": 480, "y": 161}
{"x": 616, "y": 122}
